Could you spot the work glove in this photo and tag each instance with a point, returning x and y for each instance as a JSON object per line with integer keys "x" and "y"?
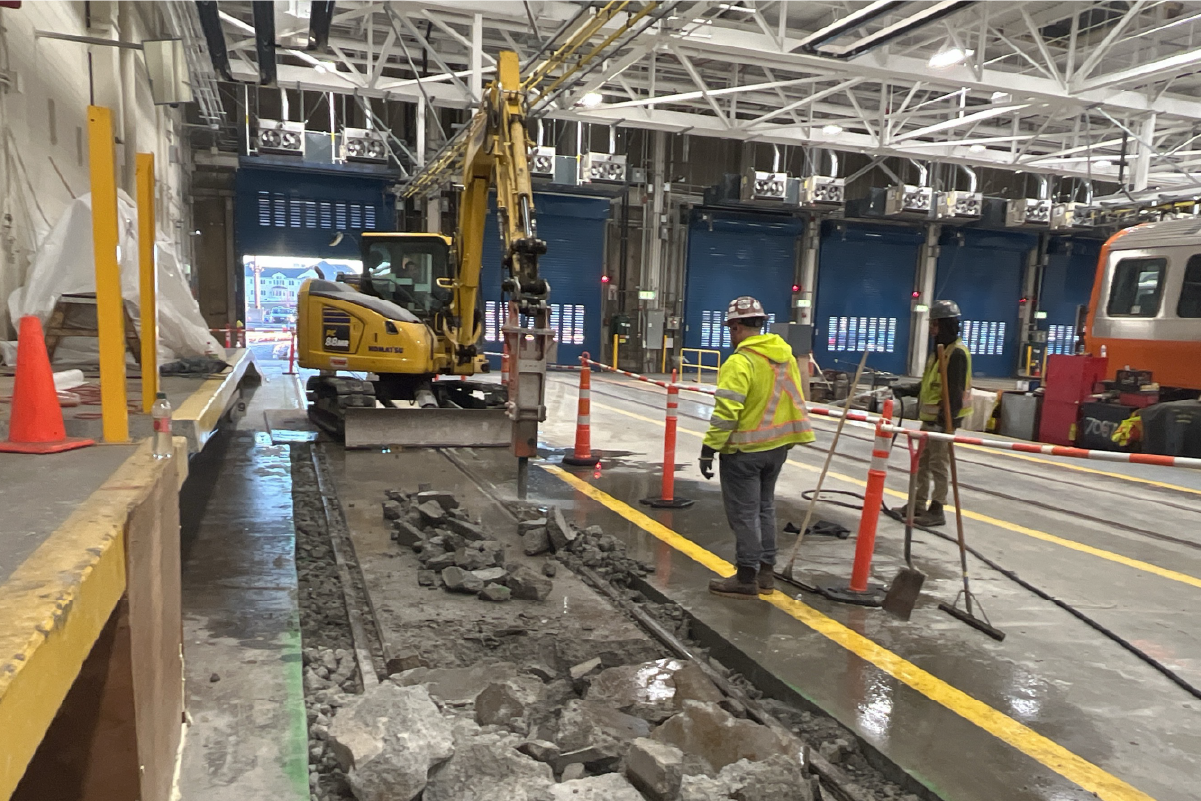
{"x": 706, "y": 461}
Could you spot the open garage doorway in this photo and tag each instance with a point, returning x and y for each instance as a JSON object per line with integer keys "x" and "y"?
{"x": 272, "y": 289}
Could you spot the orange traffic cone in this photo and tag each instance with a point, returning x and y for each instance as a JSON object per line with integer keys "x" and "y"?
{"x": 36, "y": 423}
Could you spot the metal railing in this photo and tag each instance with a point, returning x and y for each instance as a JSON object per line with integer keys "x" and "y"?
{"x": 699, "y": 364}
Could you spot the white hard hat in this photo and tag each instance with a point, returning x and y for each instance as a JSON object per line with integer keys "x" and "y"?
{"x": 744, "y": 308}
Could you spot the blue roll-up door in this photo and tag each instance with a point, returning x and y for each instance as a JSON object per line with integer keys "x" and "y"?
{"x": 982, "y": 272}
{"x": 864, "y": 288}
{"x": 732, "y": 254}
{"x": 574, "y": 230}
{"x": 294, "y": 213}
{"x": 1067, "y": 284}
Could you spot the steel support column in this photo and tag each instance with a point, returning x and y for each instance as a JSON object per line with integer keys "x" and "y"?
{"x": 927, "y": 271}
{"x": 803, "y": 302}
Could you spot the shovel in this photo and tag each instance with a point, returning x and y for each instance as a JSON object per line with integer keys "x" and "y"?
{"x": 787, "y": 574}
{"x": 907, "y": 586}
{"x": 967, "y": 615}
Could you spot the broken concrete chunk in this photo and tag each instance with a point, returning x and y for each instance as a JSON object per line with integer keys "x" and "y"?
{"x": 472, "y": 558}
{"x": 391, "y": 510}
{"x": 446, "y": 500}
{"x": 396, "y": 495}
{"x": 647, "y": 690}
{"x": 458, "y": 686}
{"x": 466, "y": 529}
{"x": 594, "y": 531}
{"x": 488, "y": 769}
{"x": 388, "y": 739}
{"x": 707, "y": 730}
{"x": 549, "y": 568}
{"x": 405, "y": 659}
{"x": 541, "y": 750}
{"x": 561, "y": 534}
{"x": 457, "y": 579}
{"x": 609, "y": 787}
{"x": 495, "y": 593}
{"x": 414, "y": 518}
{"x": 655, "y": 768}
{"x": 497, "y": 704}
{"x": 424, "y": 487}
{"x": 431, "y": 512}
{"x": 572, "y": 773}
{"x": 835, "y": 751}
{"x": 773, "y": 778}
{"x": 527, "y": 525}
{"x": 535, "y": 541}
{"x": 440, "y": 562}
{"x": 585, "y": 724}
{"x": 574, "y": 650}
{"x": 490, "y": 575}
{"x": 528, "y": 585}
{"x": 584, "y": 668}
{"x": 597, "y": 758}
{"x": 406, "y": 534}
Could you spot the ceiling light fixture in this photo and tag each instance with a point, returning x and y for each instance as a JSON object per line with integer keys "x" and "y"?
{"x": 1103, "y": 164}
{"x": 325, "y": 66}
{"x": 591, "y": 99}
{"x": 1001, "y": 97}
{"x": 831, "y": 129}
{"x": 948, "y": 57}
{"x": 977, "y": 148}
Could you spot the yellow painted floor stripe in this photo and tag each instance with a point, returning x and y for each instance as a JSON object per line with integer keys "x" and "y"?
{"x": 1042, "y": 749}
{"x": 994, "y": 452}
{"x": 1137, "y": 564}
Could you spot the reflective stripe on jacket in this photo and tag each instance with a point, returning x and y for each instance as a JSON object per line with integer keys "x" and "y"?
{"x": 930, "y": 396}
{"x": 760, "y": 404}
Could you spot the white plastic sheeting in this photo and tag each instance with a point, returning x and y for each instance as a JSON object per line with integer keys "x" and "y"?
{"x": 64, "y": 265}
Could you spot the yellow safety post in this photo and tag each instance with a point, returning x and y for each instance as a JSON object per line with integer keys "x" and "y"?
{"x": 147, "y": 279}
{"x": 616, "y": 338}
{"x": 110, "y": 314}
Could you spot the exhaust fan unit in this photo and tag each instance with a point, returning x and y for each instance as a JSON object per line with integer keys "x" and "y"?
{"x": 909, "y": 199}
{"x": 542, "y": 161}
{"x": 603, "y": 168}
{"x": 961, "y": 205}
{"x": 1038, "y": 212}
{"x": 286, "y": 138}
{"x": 822, "y": 190}
{"x": 1063, "y": 215}
{"x": 765, "y": 185}
{"x": 361, "y": 144}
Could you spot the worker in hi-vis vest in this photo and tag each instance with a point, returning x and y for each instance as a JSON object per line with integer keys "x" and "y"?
{"x": 760, "y": 414}
{"x": 935, "y": 465}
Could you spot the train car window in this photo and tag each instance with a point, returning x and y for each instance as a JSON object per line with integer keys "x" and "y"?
{"x": 1190, "y": 292}
{"x": 1137, "y": 288}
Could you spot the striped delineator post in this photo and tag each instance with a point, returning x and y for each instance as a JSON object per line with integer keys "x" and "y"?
{"x": 667, "y": 499}
{"x": 582, "y": 456}
{"x": 859, "y": 591}
{"x": 504, "y": 366}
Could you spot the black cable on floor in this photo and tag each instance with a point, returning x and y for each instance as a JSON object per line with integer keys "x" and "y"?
{"x": 1174, "y": 677}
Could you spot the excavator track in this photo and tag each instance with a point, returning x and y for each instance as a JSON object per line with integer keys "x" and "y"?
{"x": 329, "y": 398}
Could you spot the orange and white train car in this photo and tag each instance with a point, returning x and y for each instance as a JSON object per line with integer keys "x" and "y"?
{"x": 1145, "y": 311}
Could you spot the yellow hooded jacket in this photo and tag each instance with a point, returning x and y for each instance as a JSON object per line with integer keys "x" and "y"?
{"x": 760, "y": 404}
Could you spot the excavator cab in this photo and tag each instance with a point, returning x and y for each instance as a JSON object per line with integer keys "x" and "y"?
{"x": 414, "y": 271}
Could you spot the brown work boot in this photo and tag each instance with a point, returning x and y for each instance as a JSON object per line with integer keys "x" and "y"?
{"x": 767, "y": 578}
{"x": 742, "y": 585}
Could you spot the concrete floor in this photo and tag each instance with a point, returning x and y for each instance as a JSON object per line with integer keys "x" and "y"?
{"x": 1123, "y": 725}
{"x": 248, "y": 734}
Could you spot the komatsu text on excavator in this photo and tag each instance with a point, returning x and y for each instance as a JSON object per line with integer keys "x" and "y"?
{"x": 413, "y": 319}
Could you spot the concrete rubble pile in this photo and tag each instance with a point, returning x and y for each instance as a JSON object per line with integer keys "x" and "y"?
{"x": 568, "y": 716}
{"x": 455, "y": 551}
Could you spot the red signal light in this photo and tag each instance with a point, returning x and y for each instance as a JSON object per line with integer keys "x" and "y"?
{"x": 916, "y": 294}
{"x": 604, "y": 279}
{"x": 795, "y": 288}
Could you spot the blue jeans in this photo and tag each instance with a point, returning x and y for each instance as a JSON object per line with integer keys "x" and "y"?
{"x": 748, "y": 490}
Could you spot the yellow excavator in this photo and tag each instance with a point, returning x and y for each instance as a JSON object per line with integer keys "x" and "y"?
{"x": 412, "y": 322}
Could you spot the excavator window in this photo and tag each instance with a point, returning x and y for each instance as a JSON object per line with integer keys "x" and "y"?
{"x": 405, "y": 270}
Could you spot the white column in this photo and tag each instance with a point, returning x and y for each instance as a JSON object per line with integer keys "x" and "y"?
{"x": 658, "y": 221}
{"x": 1142, "y": 165}
{"x": 803, "y": 302}
{"x": 421, "y": 132}
{"x": 477, "y": 56}
{"x": 927, "y": 271}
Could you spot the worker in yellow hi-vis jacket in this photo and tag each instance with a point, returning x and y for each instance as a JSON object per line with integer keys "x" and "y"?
{"x": 760, "y": 414}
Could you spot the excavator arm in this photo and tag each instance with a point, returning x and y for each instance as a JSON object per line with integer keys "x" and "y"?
{"x": 497, "y": 155}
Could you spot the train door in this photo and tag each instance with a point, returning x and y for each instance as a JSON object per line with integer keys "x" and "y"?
{"x": 864, "y": 287}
